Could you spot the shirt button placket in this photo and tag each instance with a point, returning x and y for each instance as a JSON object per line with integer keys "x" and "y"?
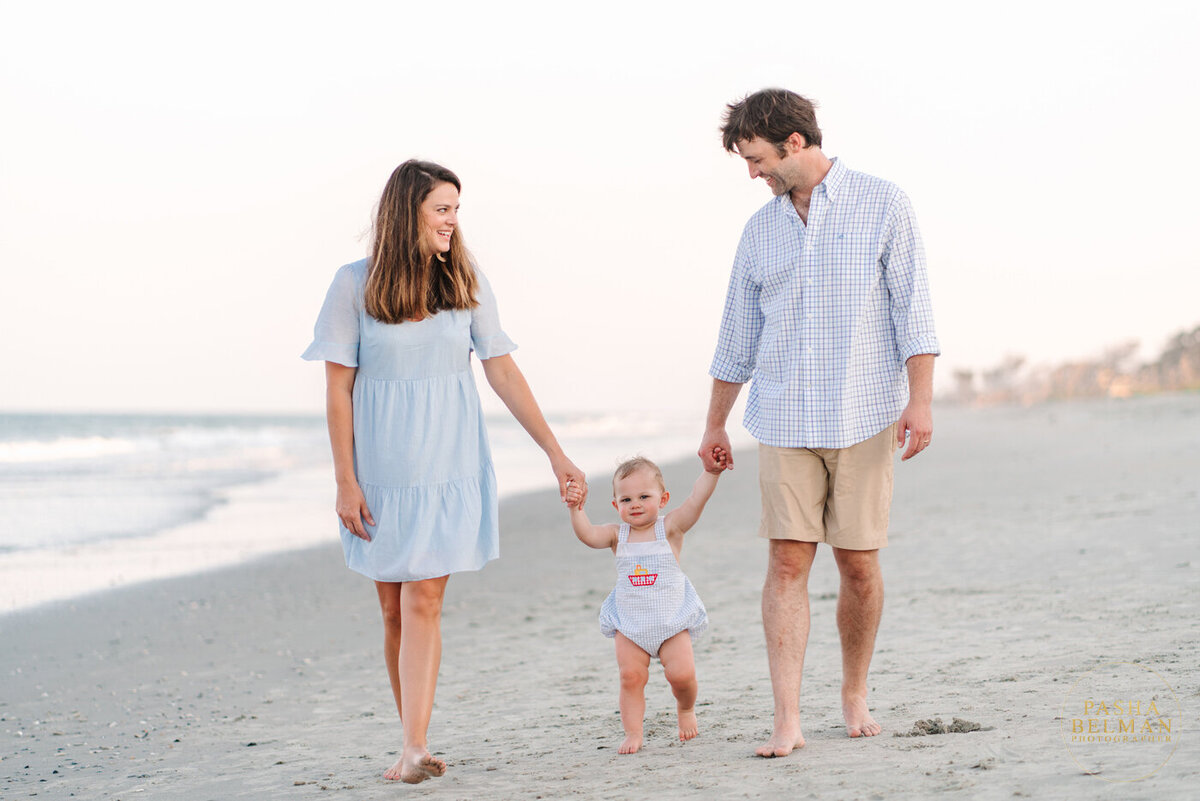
{"x": 811, "y": 334}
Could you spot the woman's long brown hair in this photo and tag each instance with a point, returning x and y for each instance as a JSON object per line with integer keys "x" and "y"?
{"x": 404, "y": 282}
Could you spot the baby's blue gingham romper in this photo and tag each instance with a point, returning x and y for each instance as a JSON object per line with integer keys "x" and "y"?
{"x": 653, "y": 600}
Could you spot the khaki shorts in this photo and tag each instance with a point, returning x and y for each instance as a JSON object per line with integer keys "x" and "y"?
{"x": 841, "y": 496}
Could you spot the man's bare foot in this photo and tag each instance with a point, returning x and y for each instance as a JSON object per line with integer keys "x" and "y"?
{"x": 632, "y": 744}
{"x": 784, "y": 740}
{"x": 688, "y": 727}
{"x": 859, "y": 722}
{"x": 415, "y": 766}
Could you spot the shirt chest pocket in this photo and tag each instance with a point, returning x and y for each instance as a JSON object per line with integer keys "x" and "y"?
{"x": 853, "y": 257}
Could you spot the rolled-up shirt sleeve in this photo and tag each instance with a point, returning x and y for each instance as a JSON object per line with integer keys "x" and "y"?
{"x": 488, "y": 339}
{"x": 742, "y": 321}
{"x": 907, "y": 282}
{"x": 335, "y": 336}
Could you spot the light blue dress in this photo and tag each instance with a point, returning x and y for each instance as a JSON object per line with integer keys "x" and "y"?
{"x": 420, "y": 447}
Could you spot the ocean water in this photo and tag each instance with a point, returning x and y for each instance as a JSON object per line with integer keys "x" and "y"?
{"x": 74, "y": 479}
{"x": 90, "y": 502}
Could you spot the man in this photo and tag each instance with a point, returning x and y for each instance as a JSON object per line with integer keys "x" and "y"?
{"x": 827, "y": 310}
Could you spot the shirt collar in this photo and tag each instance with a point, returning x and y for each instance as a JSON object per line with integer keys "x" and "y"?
{"x": 832, "y": 182}
{"x": 834, "y": 178}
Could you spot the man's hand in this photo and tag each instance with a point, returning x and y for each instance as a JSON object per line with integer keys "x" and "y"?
{"x": 721, "y": 457}
{"x": 715, "y": 451}
{"x": 916, "y": 422}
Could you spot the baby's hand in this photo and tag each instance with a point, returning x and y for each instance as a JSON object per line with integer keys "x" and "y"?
{"x": 721, "y": 458}
{"x": 574, "y": 495}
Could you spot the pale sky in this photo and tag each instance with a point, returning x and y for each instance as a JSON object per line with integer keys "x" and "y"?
{"x": 178, "y": 183}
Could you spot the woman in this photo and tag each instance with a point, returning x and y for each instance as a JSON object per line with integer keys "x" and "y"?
{"x": 416, "y": 495}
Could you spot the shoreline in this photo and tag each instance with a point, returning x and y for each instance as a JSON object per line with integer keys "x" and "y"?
{"x": 227, "y": 534}
{"x": 285, "y": 510}
{"x": 1009, "y": 575}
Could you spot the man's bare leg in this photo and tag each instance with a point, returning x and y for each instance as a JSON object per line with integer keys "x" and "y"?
{"x": 860, "y": 606}
{"x": 785, "y": 624}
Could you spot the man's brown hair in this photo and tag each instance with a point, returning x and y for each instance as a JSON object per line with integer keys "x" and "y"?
{"x": 771, "y": 115}
{"x": 404, "y": 282}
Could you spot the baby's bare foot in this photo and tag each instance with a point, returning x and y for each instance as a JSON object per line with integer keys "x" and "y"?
{"x": 631, "y": 745}
{"x": 784, "y": 739}
{"x": 688, "y": 728}
{"x": 859, "y": 722}
{"x": 415, "y": 766}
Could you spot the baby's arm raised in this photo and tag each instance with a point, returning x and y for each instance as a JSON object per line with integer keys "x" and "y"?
{"x": 588, "y": 534}
{"x": 683, "y": 518}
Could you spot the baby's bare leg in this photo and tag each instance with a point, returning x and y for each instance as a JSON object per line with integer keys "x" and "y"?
{"x": 634, "y": 664}
{"x": 679, "y": 666}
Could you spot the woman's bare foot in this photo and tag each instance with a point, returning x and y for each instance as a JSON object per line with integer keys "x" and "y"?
{"x": 783, "y": 741}
{"x": 631, "y": 745}
{"x": 415, "y": 766}
{"x": 688, "y": 727}
{"x": 393, "y": 773}
{"x": 859, "y": 722}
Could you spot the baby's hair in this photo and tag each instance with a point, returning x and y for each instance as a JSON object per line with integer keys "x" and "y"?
{"x": 631, "y": 466}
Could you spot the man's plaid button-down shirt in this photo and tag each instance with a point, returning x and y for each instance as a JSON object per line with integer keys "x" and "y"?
{"x": 821, "y": 318}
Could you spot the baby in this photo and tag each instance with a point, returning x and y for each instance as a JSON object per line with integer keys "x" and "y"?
{"x": 653, "y": 610}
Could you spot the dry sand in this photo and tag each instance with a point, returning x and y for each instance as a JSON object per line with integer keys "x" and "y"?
{"x": 1027, "y": 547}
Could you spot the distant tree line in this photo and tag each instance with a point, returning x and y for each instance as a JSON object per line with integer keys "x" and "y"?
{"x": 1114, "y": 374}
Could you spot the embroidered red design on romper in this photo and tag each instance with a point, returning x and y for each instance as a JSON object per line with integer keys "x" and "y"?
{"x": 642, "y": 578}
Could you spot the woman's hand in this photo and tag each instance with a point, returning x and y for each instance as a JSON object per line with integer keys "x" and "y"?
{"x": 506, "y": 379}
{"x": 566, "y": 472}
{"x": 352, "y": 510}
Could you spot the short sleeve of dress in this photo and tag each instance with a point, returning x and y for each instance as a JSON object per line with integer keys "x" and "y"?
{"x": 488, "y": 339}
{"x": 335, "y": 336}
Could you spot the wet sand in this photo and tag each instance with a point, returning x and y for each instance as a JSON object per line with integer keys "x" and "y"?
{"x": 1028, "y": 546}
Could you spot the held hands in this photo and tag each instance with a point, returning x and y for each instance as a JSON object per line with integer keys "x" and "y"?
{"x": 352, "y": 510}
{"x": 575, "y": 495}
{"x": 569, "y": 475}
{"x": 716, "y": 444}
{"x": 720, "y": 458}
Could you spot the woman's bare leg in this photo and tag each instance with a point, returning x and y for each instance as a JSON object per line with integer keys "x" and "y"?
{"x": 419, "y": 656}
{"x": 389, "y": 605}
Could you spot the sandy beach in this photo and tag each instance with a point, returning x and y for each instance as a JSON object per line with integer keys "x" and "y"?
{"x": 1028, "y": 546}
